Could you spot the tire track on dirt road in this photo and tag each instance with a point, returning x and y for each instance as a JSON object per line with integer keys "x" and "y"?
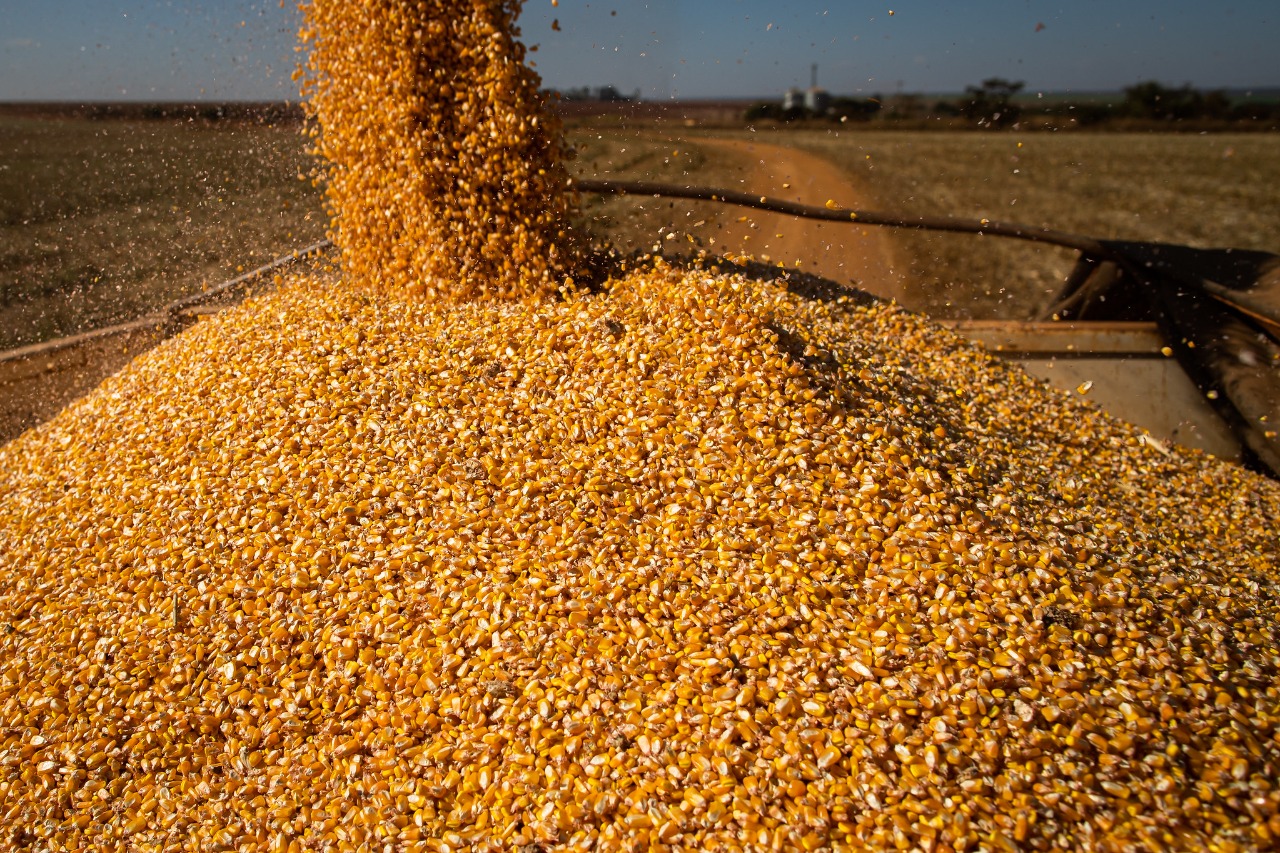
{"x": 861, "y": 255}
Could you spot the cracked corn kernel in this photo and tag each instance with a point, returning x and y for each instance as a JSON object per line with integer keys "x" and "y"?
{"x": 443, "y": 172}
{"x": 623, "y": 570}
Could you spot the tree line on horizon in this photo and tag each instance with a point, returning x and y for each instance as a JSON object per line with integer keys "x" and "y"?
{"x": 995, "y": 103}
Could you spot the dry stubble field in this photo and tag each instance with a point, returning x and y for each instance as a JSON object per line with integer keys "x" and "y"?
{"x": 1212, "y": 190}
{"x": 101, "y": 221}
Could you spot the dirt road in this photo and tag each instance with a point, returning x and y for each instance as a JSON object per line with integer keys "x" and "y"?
{"x": 856, "y": 254}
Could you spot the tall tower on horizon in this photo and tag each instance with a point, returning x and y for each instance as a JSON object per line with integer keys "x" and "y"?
{"x": 815, "y": 100}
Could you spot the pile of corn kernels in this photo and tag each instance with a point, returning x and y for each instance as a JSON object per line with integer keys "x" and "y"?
{"x": 443, "y": 171}
{"x": 693, "y": 564}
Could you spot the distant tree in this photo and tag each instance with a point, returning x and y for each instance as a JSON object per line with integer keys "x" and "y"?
{"x": 1150, "y": 99}
{"x": 991, "y": 104}
{"x": 1090, "y": 114}
{"x": 1263, "y": 111}
{"x": 600, "y": 93}
{"x": 763, "y": 111}
{"x": 610, "y": 93}
{"x": 1154, "y": 100}
{"x": 904, "y": 107}
{"x": 1215, "y": 104}
{"x": 854, "y": 109}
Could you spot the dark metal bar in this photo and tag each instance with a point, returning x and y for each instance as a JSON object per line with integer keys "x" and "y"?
{"x": 1259, "y": 311}
{"x": 206, "y": 295}
{"x": 840, "y": 214}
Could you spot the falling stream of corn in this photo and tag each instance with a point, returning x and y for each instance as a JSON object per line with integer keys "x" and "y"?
{"x": 435, "y": 552}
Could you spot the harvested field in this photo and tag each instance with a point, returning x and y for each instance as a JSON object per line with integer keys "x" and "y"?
{"x": 102, "y": 221}
{"x": 82, "y": 246}
{"x": 1200, "y": 190}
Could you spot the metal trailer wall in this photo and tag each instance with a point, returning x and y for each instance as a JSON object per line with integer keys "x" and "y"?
{"x": 37, "y": 381}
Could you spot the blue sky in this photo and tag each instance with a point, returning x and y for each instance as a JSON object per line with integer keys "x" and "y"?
{"x": 244, "y": 49}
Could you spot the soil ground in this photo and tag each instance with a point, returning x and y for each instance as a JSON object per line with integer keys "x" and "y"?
{"x": 862, "y": 256}
{"x": 101, "y": 220}
{"x": 849, "y": 254}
